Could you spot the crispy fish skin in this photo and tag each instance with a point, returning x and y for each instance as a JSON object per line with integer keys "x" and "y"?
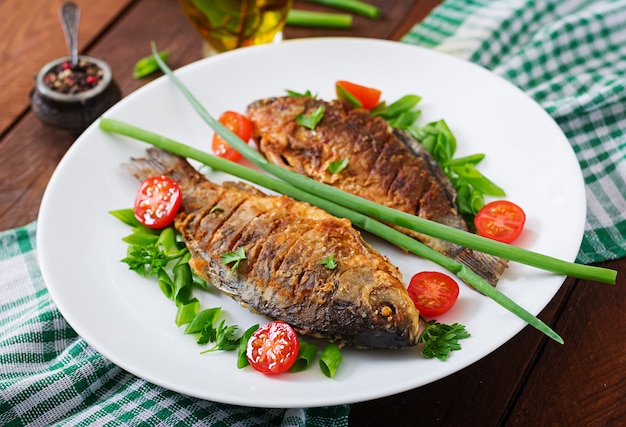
{"x": 362, "y": 302}
{"x": 385, "y": 165}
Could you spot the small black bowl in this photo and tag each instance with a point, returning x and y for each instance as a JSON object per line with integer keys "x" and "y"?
{"x": 74, "y": 111}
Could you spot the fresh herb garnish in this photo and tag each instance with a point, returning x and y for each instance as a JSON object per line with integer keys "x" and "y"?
{"x": 440, "y": 339}
{"x": 295, "y": 94}
{"x": 222, "y": 336}
{"x": 216, "y": 209}
{"x": 234, "y": 257}
{"x": 329, "y": 262}
{"x": 338, "y": 166}
{"x": 344, "y": 95}
{"x": 148, "y": 65}
{"x": 311, "y": 120}
{"x": 146, "y": 260}
{"x": 330, "y": 359}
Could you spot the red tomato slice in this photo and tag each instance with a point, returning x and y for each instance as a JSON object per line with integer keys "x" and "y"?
{"x": 368, "y": 96}
{"x": 500, "y": 220}
{"x": 157, "y": 201}
{"x": 433, "y": 293}
{"x": 239, "y": 125}
{"x": 273, "y": 348}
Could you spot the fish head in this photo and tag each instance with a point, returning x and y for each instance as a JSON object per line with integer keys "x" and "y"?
{"x": 376, "y": 309}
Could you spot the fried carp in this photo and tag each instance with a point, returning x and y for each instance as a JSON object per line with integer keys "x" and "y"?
{"x": 385, "y": 165}
{"x": 361, "y": 301}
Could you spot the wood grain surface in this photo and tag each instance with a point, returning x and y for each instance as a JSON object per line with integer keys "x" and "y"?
{"x": 529, "y": 381}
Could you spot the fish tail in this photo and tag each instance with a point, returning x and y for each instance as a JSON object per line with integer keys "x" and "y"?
{"x": 488, "y": 267}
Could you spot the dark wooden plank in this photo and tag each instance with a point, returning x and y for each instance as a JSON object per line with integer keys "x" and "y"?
{"x": 33, "y": 36}
{"x": 583, "y": 382}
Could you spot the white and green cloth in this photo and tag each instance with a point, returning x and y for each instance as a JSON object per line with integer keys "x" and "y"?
{"x": 569, "y": 55}
{"x": 49, "y": 376}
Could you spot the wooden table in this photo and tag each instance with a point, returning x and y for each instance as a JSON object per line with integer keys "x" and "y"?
{"x": 529, "y": 381}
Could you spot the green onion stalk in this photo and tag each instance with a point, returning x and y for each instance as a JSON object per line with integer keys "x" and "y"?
{"x": 355, "y": 6}
{"x": 390, "y": 215}
{"x": 360, "y": 220}
{"x": 308, "y": 18}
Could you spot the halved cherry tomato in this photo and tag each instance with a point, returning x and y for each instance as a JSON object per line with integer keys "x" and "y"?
{"x": 367, "y": 96}
{"x": 157, "y": 201}
{"x": 239, "y": 125}
{"x": 500, "y": 220}
{"x": 273, "y": 348}
{"x": 433, "y": 293}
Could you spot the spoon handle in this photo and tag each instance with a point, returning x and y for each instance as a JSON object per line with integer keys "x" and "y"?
{"x": 70, "y": 15}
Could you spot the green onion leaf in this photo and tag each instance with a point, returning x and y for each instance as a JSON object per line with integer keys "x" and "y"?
{"x": 148, "y": 65}
{"x": 186, "y": 312}
{"x": 344, "y": 95}
{"x": 242, "y": 358}
{"x": 305, "y": 358}
{"x": 330, "y": 359}
{"x": 207, "y": 315}
{"x": 127, "y": 216}
{"x": 183, "y": 283}
{"x": 355, "y": 6}
{"x": 141, "y": 238}
{"x": 309, "y": 18}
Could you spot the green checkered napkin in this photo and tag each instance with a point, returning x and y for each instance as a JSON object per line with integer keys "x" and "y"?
{"x": 49, "y": 376}
{"x": 570, "y": 57}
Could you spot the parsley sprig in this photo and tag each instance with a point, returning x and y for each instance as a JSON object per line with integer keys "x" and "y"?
{"x": 440, "y": 339}
{"x": 310, "y": 121}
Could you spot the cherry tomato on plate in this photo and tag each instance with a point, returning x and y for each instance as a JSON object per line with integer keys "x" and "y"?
{"x": 239, "y": 125}
{"x": 157, "y": 201}
{"x": 500, "y": 220}
{"x": 433, "y": 293}
{"x": 273, "y": 348}
{"x": 367, "y": 96}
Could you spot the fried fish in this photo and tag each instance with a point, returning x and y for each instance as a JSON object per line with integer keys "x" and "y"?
{"x": 361, "y": 301}
{"x": 385, "y": 165}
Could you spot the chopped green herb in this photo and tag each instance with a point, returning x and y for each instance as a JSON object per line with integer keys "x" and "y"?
{"x": 344, "y": 95}
{"x": 311, "y": 120}
{"x": 216, "y": 209}
{"x": 148, "y": 65}
{"x": 330, "y": 359}
{"x": 222, "y": 337}
{"x": 440, "y": 339}
{"x": 186, "y": 312}
{"x": 338, "y": 166}
{"x": 306, "y": 355}
{"x": 242, "y": 358}
{"x": 295, "y": 94}
{"x": 206, "y": 316}
{"x": 146, "y": 260}
{"x": 234, "y": 257}
{"x": 329, "y": 262}
{"x": 127, "y": 216}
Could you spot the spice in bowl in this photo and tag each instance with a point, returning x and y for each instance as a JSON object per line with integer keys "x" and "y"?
{"x": 72, "y": 97}
{"x": 64, "y": 78}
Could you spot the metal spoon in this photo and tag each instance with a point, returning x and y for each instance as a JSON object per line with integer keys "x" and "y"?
{"x": 70, "y": 15}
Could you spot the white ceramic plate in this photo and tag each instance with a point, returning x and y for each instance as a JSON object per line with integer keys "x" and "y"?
{"x": 130, "y": 322}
